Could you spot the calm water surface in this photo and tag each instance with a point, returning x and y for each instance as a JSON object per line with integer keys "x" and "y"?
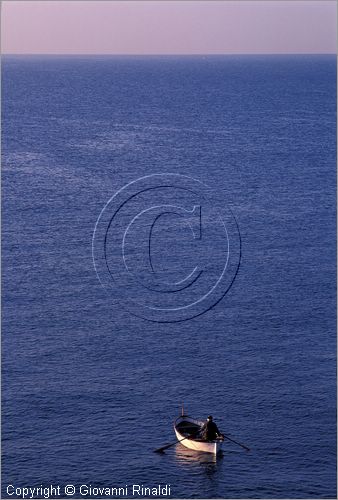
{"x": 89, "y": 390}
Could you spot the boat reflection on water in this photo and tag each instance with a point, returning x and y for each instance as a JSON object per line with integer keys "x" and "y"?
{"x": 205, "y": 468}
{"x": 185, "y": 456}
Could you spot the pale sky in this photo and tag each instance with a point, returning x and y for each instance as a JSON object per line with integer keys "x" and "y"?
{"x": 168, "y": 27}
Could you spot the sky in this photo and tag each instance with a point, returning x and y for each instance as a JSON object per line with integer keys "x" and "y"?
{"x": 168, "y": 27}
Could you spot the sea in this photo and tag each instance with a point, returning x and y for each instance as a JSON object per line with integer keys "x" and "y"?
{"x": 89, "y": 389}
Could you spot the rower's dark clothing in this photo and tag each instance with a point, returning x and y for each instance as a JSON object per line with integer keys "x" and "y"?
{"x": 210, "y": 431}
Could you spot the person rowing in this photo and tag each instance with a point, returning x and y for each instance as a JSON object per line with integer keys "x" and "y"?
{"x": 210, "y": 431}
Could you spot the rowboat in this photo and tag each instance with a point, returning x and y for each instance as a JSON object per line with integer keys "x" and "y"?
{"x": 187, "y": 427}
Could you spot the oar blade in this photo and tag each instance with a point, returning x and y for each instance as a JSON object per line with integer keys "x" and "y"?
{"x": 161, "y": 450}
{"x": 236, "y": 442}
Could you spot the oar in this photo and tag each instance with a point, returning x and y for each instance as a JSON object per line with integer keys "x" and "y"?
{"x": 160, "y": 450}
{"x": 242, "y": 445}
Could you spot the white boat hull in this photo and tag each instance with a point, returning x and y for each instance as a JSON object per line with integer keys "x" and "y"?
{"x": 214, "y": 447}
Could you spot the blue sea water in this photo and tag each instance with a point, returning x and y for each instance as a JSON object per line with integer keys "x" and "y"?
{"x": 88, "y": 390}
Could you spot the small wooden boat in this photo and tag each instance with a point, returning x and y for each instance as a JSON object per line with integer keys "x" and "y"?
{"x": 187, "y": 430}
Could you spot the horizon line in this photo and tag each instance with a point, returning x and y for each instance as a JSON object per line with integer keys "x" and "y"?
{"x": 167, "y": 54}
